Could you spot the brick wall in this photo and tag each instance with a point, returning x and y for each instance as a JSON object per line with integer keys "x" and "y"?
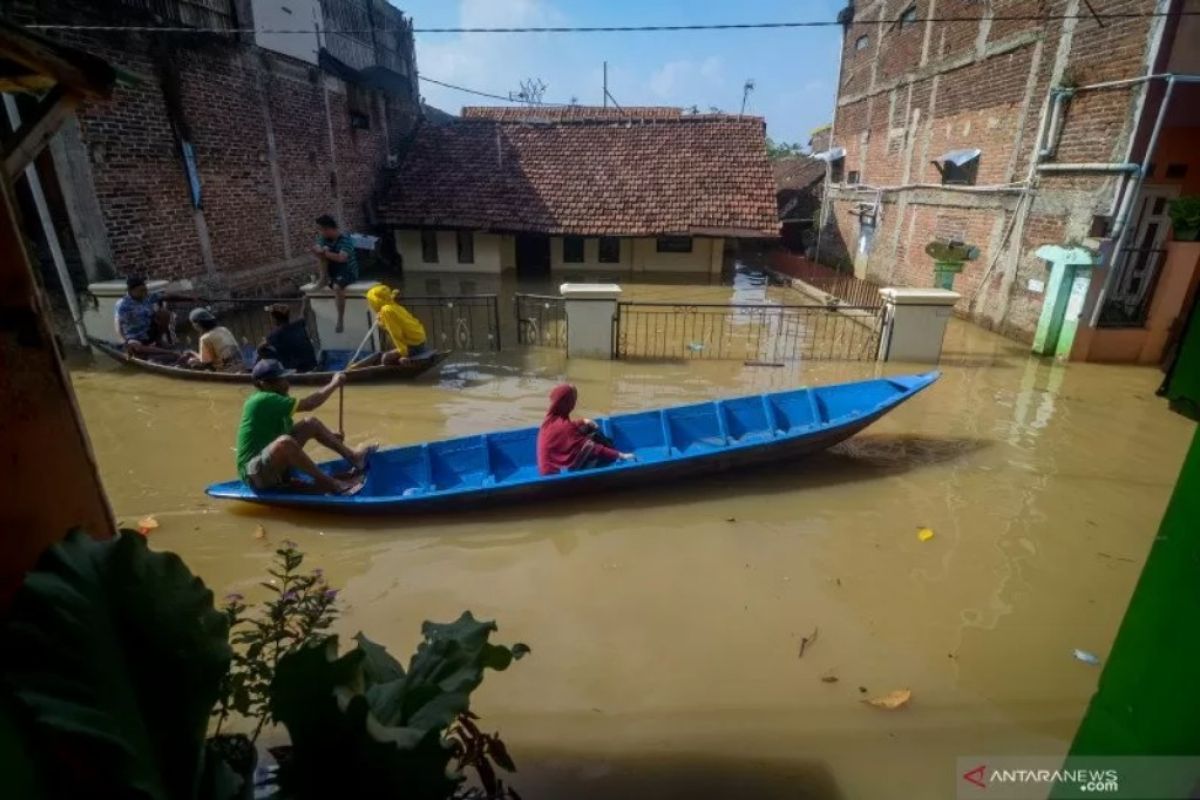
{"x": 919, "y": 90}
{"x": 232, "y": 96}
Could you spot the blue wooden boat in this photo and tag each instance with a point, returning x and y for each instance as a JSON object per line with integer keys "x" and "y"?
{"x": 669, "y": 443}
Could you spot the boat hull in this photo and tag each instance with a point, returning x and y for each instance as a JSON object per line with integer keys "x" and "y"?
{"x": 397, "y": 372}
{"x": 493, "y": 469}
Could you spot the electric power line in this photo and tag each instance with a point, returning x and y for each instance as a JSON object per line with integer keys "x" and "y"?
{"x": 488, "y": 94}
{"x": 1100, "y": 18}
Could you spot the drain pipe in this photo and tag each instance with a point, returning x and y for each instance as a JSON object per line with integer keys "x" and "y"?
{"x": 1059, "y": 99}
{"x": 1132, "y": 190}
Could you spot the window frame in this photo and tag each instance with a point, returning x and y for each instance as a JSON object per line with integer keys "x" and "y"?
{"x": 459, "y": 238}
{"x": 568, "y": 254}
{"x": 853, "y": 178}
{"x": 429, "y": 243}
{"x": 605, "y": 242}
{"x": 837, "y": 170}
{"x": 674, "y": 244}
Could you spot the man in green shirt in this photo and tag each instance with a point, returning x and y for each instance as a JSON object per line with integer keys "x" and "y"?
{"x": 270, "y": 444}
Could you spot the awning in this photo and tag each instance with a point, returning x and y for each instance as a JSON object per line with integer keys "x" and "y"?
{"x": 832, "y": 154}
{"x": 958, "y": 157}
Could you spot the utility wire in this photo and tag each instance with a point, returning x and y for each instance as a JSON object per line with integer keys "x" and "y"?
{"x": 489, "y": 94}
{"x": 613, "y": 28}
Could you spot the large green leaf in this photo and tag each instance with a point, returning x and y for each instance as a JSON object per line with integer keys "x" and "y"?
{"x": 339, "y": 749}
{"x": 116, "y": 654}
{"x": 446, "y": 668}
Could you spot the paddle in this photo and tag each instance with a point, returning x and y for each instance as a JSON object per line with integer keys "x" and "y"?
{"x": 350, "y": 366}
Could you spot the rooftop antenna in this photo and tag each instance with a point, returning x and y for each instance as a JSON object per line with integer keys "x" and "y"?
{"x": 606, "y": 84}
{"x": 747, "y": 88}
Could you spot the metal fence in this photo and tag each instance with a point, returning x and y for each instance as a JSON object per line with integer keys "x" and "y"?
{"x": 464, "y": 322}
{"x": 751, "y": 333}
{"x": 467, "y": 323}
{"x": 541, "y": 320}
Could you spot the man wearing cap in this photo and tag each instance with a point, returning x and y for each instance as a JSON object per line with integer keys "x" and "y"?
{"x": 142, "y": 321}
{"x": 336, "y": 252}
{"x": 270, "y": 445}
{"x": 288, "y": 340}
{"x": 217, "y": 349}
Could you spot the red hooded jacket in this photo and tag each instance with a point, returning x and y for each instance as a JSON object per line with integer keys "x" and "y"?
{"x": 564, "y": 444}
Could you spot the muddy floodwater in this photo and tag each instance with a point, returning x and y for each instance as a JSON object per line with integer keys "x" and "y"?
{"x": 666, "y": 623}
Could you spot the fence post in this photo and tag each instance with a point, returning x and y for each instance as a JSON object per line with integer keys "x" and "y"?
{"x": 590, "y": 309}
{"x": 914, "y": 323}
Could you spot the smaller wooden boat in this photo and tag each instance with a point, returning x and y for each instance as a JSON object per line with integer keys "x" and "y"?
{"x": 331, "y": 362}
{"x": 669, "y": 443}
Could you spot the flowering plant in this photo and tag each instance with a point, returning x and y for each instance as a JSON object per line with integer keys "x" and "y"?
{"x": 298, "y": 611}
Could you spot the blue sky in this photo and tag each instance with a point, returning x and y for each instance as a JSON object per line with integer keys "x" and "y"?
{"x": 795, "y": 70}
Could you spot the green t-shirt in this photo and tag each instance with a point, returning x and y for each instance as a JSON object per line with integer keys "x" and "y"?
{"x": 265, "y": 417}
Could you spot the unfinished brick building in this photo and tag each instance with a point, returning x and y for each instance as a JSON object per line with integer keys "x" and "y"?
{"x": 1017, "y": 123}
{"x": 219, "y": 147}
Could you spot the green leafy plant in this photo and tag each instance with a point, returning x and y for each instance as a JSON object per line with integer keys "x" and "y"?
{"x": 298, "y": 612}
{"x": 395, "y": 726}
{"x": 115, "y": 659}
{"x": 1185, "y": 218}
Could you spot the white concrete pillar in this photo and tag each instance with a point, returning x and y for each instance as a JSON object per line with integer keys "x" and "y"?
{"x": 358, "y": 317}
{"x": 591, "y": 308}
{"x": 914, "y": 323}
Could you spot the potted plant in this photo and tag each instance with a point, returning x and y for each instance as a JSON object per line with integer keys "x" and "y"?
{"x": 1185, "y": 218}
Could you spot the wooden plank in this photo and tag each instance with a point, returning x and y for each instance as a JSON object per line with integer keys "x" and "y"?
{"x": 50, "y": 484}
{"x": 77, "y": 70}
{"x": 23, "y": 146}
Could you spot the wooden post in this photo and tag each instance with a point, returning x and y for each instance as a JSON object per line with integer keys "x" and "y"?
{"x": 50, "y": 480}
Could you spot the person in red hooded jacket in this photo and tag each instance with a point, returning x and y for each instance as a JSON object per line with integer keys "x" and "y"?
{"x": 565, "y": 445}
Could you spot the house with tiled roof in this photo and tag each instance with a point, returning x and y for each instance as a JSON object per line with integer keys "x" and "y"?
{"x": 580, "y": 189}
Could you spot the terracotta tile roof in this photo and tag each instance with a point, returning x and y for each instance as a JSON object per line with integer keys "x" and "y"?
{"x": 698, "y": 174}
{"x": 559, "y": 113}
{"x": 797, "y": 172}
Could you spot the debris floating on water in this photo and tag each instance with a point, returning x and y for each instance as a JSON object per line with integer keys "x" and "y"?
{"x": 829, "y": 678}
{"x": 806, "y": 641}
{"x": 891, "y": 701}
{"x": 146, "y": 524}
{"x": 924, "y": 534}
{"x": 695, "y": 347}
{"x": 1087, "y": 657}
{"x": 260, "y": 532}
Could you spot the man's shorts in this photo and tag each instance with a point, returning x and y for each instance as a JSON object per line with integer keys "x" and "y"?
{"x": 419, "y": 350}
{"x": 262, "y": 475}
{"x": 341, "y": 276}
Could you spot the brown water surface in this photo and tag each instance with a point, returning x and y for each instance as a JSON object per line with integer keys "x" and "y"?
{"x": 666, "y": 623}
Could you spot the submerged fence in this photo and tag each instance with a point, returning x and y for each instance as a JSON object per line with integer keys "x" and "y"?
{"x": 465, "y": 323}
{"x": 541, "y": 320}
{"x": 753, "y": 333}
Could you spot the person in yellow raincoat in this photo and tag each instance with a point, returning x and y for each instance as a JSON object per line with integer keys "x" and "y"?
{"x": 406, "y": 331}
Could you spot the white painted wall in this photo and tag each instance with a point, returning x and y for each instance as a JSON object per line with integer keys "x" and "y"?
{"x": 496, "y": 252}
{"x": 290, "y": 15}
{"x": 705, "y": 252}
{"x": 493, "y": 252}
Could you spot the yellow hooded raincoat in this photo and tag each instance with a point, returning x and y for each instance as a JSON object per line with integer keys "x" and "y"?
{"x": 405, "y": 330}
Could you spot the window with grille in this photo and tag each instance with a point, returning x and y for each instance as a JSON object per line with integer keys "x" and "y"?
{"x": 572, "y": 249}
{"x": 429, "y": 247}
{"x": 466, "y": 247}
{"x": 674, "y": 244}
{"x": 610, "y": 250}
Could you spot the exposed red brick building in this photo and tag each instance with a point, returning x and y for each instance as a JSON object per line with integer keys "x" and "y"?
{"x": 217, "y": 150}
{"x": 536, "y": 189}
{"x": 1002, "y": 129}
